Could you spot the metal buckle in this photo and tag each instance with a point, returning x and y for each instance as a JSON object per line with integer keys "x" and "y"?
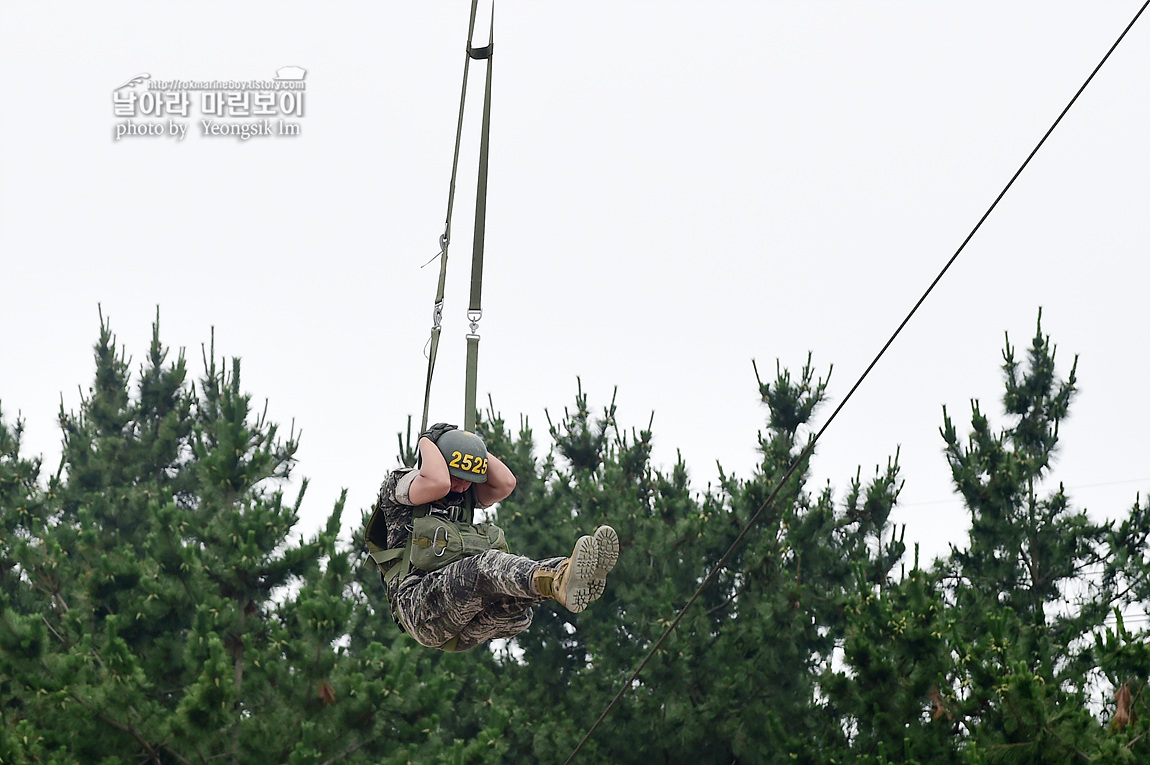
{"x": 453, "y": 513}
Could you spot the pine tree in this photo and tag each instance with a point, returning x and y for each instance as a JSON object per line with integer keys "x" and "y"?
{"x": 22, "y": 499}
{"x": 1122, "y": 654}
{"x": 895, "y": 654}
{"x": 738, "y": 680}
{"x": 21, "y": 518}
{"x": 156, "y": 606}
{"x": 1036, "y": 580}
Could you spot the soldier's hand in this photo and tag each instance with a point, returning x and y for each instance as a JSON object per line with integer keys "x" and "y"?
{"x": 436, "y": 430}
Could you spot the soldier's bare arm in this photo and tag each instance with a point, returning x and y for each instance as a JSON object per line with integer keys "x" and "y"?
{"x": 433, "y": 481}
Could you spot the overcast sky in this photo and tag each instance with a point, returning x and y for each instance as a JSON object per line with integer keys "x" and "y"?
{"x": 676, "y": 188}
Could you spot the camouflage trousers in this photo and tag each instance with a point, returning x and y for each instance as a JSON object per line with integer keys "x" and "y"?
{"x": 481, "y": 598}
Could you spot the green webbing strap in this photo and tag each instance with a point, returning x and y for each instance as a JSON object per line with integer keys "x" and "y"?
{"x": 433, "y": 346}
{"x": 397, "y": 560}
{"x": 445, "y": 238}
{"x": 474, "y": 310}
{"x": 469, "y": 502}
{"x": 383, "y": 557}
{"x": 395, "y": 563}
{"x": 469, "y": 392}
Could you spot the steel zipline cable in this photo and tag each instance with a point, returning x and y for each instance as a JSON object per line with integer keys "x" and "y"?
{"x": 720, "y": 565}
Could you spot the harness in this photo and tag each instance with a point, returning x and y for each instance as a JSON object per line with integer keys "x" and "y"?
{"x": 428, "y": 539}
{"x": 438, "y": 537}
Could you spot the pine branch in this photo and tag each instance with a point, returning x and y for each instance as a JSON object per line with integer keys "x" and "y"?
{"x": 349, "y": 751}
{"x": 48, "y": 624}
{"x": 153, "y": 752}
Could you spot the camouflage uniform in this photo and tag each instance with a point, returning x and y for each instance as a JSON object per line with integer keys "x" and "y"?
{"x": 480, "y": 598}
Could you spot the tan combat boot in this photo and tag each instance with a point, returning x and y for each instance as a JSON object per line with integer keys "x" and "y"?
{"x": 607, "y": 550}
{"x": 570, "y": 584}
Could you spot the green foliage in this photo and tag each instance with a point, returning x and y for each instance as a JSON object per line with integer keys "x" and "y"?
{"x": 156, "y": 604}
{"x": 1036, "y": 577}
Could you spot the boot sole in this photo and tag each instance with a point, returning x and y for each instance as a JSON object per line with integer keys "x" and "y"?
{"x": 607, "y": 549}
{"x": 580, "y": 572}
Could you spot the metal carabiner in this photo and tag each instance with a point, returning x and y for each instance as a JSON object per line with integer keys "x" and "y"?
{"x": 435, "y": 537}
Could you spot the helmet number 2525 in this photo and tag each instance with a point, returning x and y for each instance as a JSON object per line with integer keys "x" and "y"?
{"x": 468, "y": 462}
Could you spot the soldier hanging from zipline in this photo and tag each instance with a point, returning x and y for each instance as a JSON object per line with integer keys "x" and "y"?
{"x": 451, "y": 582}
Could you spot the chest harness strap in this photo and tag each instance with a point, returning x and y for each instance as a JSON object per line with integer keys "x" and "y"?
{"x": 438, "y": 537}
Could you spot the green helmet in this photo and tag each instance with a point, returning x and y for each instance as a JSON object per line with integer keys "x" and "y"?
{"x": 466, "y": 455}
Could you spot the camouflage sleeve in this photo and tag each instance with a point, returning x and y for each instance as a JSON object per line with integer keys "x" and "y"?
{"x": 396, "y": 514}
{"x": 402, "y": 489}
{"x": 390, "y": 519}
